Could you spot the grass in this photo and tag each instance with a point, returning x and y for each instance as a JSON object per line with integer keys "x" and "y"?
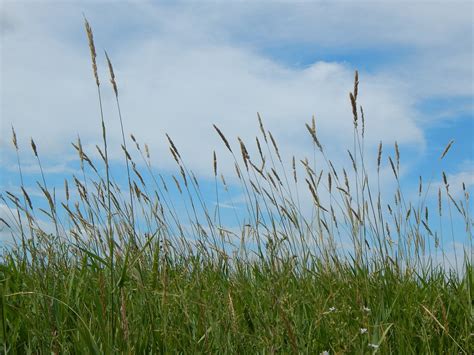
{"x": 129, "y": 272}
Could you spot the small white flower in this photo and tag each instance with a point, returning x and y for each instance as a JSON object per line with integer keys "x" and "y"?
{"x": 375, "y": 346}
{"x": 332, "y": 309}
{"x": 366, "y": 309}
{"x": 325, "y": 352}
{"x": 363, "y": 330}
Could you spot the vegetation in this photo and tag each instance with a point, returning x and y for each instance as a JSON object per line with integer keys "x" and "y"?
{"x": 125, "y": 271}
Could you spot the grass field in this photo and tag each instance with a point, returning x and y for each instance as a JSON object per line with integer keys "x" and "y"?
{"x": 125, "y": 270}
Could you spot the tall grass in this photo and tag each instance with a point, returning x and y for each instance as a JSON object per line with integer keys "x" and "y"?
{"x": 137, "y": 274}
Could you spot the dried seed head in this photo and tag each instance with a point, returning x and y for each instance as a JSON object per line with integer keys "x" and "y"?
{"x": 215, "y": 163}
{"x": 319, "y": 177}
{"x": 379, "y": 156}
{"x": 294, "y": 169}
{"x": 397, "y": 155}
{"x": 313, "y": 135}
{"x": 276, "y": 175}
{"x": 393, "y": 167}
{"x": 222, "y": 137}
{"x": 183, "y": 174}
{"x": 333, "y": 170}
{"x": 127, "y": 155}
{"x": 15, "y": 143}
{"x": 356, "y": 84}
{"x": 354, "y": 108}
{"x": 259, "y": 147}
{"x": 352, "y": 160}
{"x": 263, "y": 164}
{"x": 408, "y": 214}
{"x": 80, "y": 150}
{"x": 439, "y": 202}
{"x": 173, "y": 146}
{"x": 164, "y": 184}
{"x": 27, "y": 197}
{"x": 90, "y": 38}
{"x": 33, "y": 146}
{"x": 363, "y": 121}
{"x": 175, "y": 157}
{"x": 387, "y": 228}
{"x": 66, "y": 189}
{"x": 346, "y": 180}
{"x": 445, "y": 151}
{"x": 147, "y": 151}
{"x": 312, "y": 190}
{"x": 195, "y": 180}
{"x": 237, "y": 170}
{"x": 112, "y": 75}
{"x": 262, "y": 129}
{"x": 274, "y": 145}
{"x": 100, "y": 153}
{"x": 257, "y": 169}
{"x": 177, "y": 184}
{"x": 245, "y": 154}
{"x": 137, "y": 190}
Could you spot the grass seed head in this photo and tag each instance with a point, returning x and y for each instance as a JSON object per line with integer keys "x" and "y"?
{"x": 33, "y": 146}
{"x": 224, "y": 139}
{"x": 445, "y": 151}
{"x": 90, "y": 37}
{"x": 112, "y": 74}
{"x": 354, "y": 108}
{"x": 379, "y": 156}
{"x": 356, "y": 84}
{"x": 262, "y": 129}
{"x": 14, "y": 141}
{"x": 215, "y": 163}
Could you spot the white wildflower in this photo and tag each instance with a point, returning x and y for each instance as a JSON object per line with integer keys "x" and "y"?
{"x": 325, "y": 352}
{"x": 366, "y": 309}
{"x": 332, "y": 309}
{"x": 375, "y": 346}
{"x": 363, "y": 330}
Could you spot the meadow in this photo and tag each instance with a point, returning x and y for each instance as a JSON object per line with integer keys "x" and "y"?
{"x": 129, "y": 270}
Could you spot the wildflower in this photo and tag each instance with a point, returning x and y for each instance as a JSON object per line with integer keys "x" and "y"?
{"x": 363, "y": 330}
{"x": 325, "y": 352}
{"x": 374, "y": 346}
{"x": 330, "y": 310}
{"x": 366, "y": 309}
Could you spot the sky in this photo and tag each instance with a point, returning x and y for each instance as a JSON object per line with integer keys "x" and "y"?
{"x": 183, "y": 66}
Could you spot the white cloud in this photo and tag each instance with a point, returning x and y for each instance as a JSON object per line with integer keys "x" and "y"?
{"x": 181, "y": 68}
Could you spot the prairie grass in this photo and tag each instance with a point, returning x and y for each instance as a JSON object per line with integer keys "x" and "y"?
{"x": 128, "y": 271}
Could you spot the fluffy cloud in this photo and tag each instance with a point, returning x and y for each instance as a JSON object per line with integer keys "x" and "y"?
{"x": 181, "y": 68}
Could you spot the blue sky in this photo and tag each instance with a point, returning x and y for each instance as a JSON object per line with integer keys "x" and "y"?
{"x": 183, "y": 66}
